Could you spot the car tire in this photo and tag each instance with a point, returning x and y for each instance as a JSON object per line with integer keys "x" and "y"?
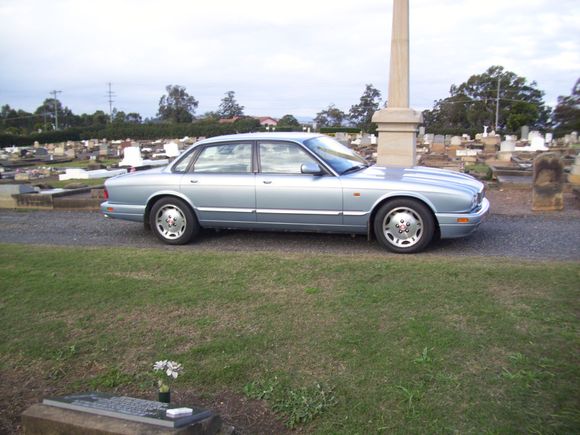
{"x": 404, "y": 226}
{"x": 173, "y": 222}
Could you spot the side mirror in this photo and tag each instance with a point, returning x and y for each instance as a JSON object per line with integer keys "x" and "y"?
{"x": 311, "y": 169}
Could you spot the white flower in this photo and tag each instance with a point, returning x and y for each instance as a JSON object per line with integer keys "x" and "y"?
{"x": 173, "y": 369}
{"x": 160, "y": 365}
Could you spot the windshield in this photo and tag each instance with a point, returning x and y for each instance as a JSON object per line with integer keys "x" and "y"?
{"x": 339, "y": 157}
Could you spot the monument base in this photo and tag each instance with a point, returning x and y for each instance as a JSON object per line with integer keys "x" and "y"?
{"x": 397, "y": 128}
{"x": 44, "y": 420}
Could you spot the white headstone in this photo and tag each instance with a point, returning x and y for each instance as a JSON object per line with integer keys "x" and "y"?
{"x": 455, "y": 141}
{"x": 485, "y": 127}
{"x": 171, "y": 149}
{"x": 507, "y": 145}
{"x": 132, "y": 157}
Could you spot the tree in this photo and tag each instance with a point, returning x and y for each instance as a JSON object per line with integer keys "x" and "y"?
{"x": 330, "y": 117}
{"x": 566, "y": 116}
{"x": 361, "y": 114}
{"x": 133, "y": 118}
{"x": 472, "y": 104}
{"x": 288, "y": 121}
{"x": 48, "y": 118}
{"x": 119, "y": 117}
{"x": 16, "y": 121}
{"x": 177, "y": 105}
{"x": 229, "y": 107}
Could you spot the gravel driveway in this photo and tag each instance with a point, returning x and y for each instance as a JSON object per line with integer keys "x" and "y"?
{"x": 552, "y": 237}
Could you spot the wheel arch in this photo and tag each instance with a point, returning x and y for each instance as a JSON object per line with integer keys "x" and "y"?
{"x": 394, "y": 196}
{"x": 161, "y": 195}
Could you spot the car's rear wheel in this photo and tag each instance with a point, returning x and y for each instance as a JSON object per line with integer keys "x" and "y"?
{"x": 404, "y": 226}
{"x": 173, "y": 222}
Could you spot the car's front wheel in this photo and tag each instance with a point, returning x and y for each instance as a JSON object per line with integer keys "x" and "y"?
{"x": 404, "y": 226}
{"x": 173, "y": 222}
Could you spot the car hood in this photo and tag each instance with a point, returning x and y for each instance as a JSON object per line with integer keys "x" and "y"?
{"x": 420, "y": 175}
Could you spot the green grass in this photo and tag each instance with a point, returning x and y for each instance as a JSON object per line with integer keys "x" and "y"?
{"x": 480, "y": 169}
{"x": 83, "y": 163}
{"x": 68, "y": 183}
{"x": 335, "y": 344}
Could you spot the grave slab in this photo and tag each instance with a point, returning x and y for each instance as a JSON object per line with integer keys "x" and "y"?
{"x": 100, "y": 413}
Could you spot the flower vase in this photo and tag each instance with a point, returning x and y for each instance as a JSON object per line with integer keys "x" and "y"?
{"x": 164, "y": 396}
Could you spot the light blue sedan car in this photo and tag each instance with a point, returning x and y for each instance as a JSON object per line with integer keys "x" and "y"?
{"x": 296, "y": 182}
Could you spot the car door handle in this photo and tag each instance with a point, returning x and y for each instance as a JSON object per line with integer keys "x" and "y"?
{"x": 267, "y": 182}
{"x": 193, "y": 181}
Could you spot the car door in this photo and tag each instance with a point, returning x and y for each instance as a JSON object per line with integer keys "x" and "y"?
{"x": 287, "y": 198}
{"x": 221, "y": 184}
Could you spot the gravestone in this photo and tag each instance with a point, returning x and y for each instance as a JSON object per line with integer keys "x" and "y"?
{"x": 342, "y": 138}
{"x": 537, "y": 141}
{"x": 365, "y": 139}
{"x": 101, "y": 413}
{"x": 132, "y": 157}
{"x": 574, "y": 177}
{"x": 525, "y": 132}
{"x": 456, "y": 141}
{"x": 574, "y": 137}
{"x": 548, "y": 183}
{"x": 171, "y": 149}
{"x": 41, "y": 152}
{"x": 103, "y": 150}
{"x": 438, "y": 145}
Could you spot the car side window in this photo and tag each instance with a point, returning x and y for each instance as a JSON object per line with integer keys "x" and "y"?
{"x": 282, "y": 158}
{"x": 225, "y": 158}
{"x": 181, "y": 166}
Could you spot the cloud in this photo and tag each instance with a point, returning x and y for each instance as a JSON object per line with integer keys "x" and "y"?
{"x": 295, "y": 60}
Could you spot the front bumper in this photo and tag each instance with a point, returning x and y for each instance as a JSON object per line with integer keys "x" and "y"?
{"x": 126, "y": 212}
{"x": 451, "y": 227}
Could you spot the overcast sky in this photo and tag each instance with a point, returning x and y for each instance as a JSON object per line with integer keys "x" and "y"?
{"x": 279, "y": 57}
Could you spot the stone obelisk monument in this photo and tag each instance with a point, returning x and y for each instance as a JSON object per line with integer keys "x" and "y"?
{"x": 397, "y": 124}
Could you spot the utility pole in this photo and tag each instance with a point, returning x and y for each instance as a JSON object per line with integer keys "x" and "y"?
{"x": 497, "y": 106}
{"x": 54, "y": 93}
{"x": 110, "y": 94}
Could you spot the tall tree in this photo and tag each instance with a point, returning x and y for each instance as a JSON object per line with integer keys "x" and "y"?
{"x": 229, "y": 107}
{"x": 288, "y": 121}
{"x": 361, "y": 114}
{"x": 177, "y": 105}
{"x": 47, "y": 116}
{"x": 566, "y": 116}
{"x": 133, "y": 118}
{"x": 16, "y": 121}
{"x": 472, "y": 104}
{"x": 330, "y": 117}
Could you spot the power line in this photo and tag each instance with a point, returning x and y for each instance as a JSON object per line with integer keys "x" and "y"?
{"x": 110, "y": 94}
{"x": 54, "y": 93}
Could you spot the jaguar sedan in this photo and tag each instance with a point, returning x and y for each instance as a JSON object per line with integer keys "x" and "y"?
{"x": 296, "y": 182}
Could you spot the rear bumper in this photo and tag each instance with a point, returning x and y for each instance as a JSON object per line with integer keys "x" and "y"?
{"x": 451, "y": 228}
{"x": 123, "y": 211}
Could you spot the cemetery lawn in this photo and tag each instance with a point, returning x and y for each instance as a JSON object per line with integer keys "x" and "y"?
{"x": 408, "y": 344}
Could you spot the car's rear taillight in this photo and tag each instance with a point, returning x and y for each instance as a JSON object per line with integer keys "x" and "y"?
{"x": 106, "y": 194}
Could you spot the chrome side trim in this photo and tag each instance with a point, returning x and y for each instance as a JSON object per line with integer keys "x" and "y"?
{"x": 306, "y": 212}
{"x": 226, "y": 210}
{"x": 355, "y": 213}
